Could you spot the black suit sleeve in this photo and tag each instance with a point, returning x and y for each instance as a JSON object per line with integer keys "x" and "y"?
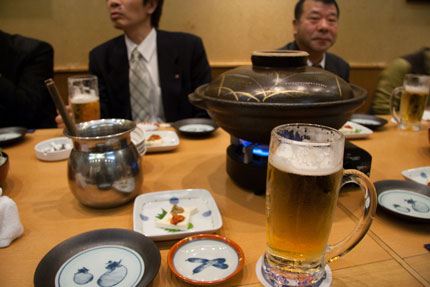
{"x": 25, "y": 100}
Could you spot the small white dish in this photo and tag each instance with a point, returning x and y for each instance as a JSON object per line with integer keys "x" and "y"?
{"x": 404, "y": 199}
{"x": 205, "y": 259}
{"x": 147, "y": 126}
{"x": 169, "y": 141}
{"x": 54, "y": 149}
{"x": 353, "y": 130}
{"x": 148, "y": 208}
{"x": 420, "y": 175}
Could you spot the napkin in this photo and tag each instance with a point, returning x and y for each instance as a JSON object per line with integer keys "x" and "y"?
{"x": 10, "y": 225}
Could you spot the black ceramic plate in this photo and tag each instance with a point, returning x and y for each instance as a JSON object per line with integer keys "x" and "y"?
{"x": 372, "y": 122}
{"x": 110, "y": 257}
{"x": 11, "y": 135}
{"x": 405, "y": 199}
{"x": 195, "y": 127}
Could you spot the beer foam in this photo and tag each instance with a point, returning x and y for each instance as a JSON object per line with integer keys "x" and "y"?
{"x": 415, "y": 89}
{"x": 306, "y": 160}
{"x": 84, "y": 98}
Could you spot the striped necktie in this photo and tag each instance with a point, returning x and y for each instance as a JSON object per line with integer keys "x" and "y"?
{"x": 140, "y": 88}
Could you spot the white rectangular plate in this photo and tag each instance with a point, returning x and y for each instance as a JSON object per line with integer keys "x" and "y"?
{"x": 170, "y": 141}
{"x": 353, "y": 130}
{"x": 147, "y": 206}
{"x": 419, "y": 174}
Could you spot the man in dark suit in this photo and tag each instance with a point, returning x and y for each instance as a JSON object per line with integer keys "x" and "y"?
{"x": 25, "y": 64}
{"x": 315, "y": 31}
{"x": 176, "y": 62}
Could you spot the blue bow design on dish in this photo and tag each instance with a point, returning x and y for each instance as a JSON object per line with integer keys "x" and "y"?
{"x": 218, "y": 263}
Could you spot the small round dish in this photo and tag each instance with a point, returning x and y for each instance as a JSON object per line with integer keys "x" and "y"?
{"x": 404, "y": 199}
{"x": 11, "y": 135}
{"x": 372, "y": 122}
{"x": 205, "y": 259}
{"x": 195, "y": 127}
{"x": 54, "y": 149}
{"x": 105, "y": 257}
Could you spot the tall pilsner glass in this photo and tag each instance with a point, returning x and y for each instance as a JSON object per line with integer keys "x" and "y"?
{"x": 305, "y": 173}
{"x": 84, "y": 98}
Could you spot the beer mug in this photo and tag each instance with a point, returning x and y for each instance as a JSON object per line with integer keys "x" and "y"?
{"x": 84, "y": 98}
{"x": 413, "y": 101}
{"x": 305, "y": 173}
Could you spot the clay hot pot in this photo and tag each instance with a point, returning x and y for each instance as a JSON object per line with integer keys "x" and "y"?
{"x": 249, "y": 101}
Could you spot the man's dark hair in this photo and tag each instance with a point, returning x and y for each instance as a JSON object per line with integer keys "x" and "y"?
{"x": 298, "y": 10}
{"x": 155, "y": 17}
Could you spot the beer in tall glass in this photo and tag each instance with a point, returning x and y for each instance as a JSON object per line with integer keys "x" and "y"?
{"x": 84, "y": 98}
{"x": 413, "y": 96}
{"x": 304, "y": 175}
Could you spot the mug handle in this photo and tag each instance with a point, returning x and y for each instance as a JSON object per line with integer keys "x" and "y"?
{"x": 342, "y": 247}
{"x": 393, "y": 97}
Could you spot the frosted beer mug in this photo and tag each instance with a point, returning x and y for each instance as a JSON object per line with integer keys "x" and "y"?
{"x": 304, "y": 176}
{"x": 84, "y": 98}
{"x": 413, "y": 101}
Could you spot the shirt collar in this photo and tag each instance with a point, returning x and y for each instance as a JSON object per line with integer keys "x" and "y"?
{"x": 321, "y": 63}
{"x": 146, "y": 47}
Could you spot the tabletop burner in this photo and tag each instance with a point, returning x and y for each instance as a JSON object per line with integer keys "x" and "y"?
{"x": 247, "y": 163}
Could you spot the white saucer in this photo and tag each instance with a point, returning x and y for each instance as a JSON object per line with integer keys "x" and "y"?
{"x": 420, "y": 174}
{"x": 325, "y": 283}
{"x": 353, "y": 130}
{"x": 54, "y": 149}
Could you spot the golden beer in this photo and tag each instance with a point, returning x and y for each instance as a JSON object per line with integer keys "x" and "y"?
{"x": 85, "y": 108}
{"x": 412, "y": 105}
{"x": 304, "y": 175}
{"x": 300, "y": 210}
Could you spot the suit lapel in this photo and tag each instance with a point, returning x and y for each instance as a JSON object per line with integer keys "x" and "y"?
{"x": 169, "y": 72}
{"x": 118, "y": 66}
{"x": 118, "y": 76}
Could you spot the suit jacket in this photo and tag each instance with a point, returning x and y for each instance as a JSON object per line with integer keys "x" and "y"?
{"x": 333, "y": 63}
{"x": 182, "y": 66}
{"x": 24, "y": 66}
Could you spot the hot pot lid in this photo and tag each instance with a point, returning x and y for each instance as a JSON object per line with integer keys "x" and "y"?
{"x": 280, "y": 76}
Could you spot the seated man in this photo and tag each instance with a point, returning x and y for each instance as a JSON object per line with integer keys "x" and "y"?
{"x": 315, "y": 31}
{"x": 174, "y": 65}
{"x": 24, "y": 66}
{"x": 392, "y": 77}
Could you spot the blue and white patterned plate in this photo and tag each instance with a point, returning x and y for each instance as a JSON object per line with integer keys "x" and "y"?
{"x": 149, "y": 206}
{"x": 205, "y": 259}
{"x": 100, "y": 258}
{"x": 405, "y": 199}
{"x": 420, "y": 174}
{"x": 106, "y": 266}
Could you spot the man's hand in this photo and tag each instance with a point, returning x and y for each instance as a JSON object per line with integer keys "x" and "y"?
{"x": 59, "y": 120}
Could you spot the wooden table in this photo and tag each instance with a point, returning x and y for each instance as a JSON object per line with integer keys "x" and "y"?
{"x": 391, "y": 254}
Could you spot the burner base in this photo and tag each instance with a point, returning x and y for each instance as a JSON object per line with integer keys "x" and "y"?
{"x": 251, "y": 176}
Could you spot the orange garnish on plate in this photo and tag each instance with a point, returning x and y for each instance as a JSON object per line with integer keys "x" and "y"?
{"x": 176, "y": 218}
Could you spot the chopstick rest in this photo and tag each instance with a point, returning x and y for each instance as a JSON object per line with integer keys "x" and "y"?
{"x": 10, "y": 224}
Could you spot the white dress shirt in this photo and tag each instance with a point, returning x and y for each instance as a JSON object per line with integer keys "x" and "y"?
{"x": 322, "y": 63}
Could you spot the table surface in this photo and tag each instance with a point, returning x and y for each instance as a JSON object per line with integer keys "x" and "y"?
{"x": 391, "y": 254}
